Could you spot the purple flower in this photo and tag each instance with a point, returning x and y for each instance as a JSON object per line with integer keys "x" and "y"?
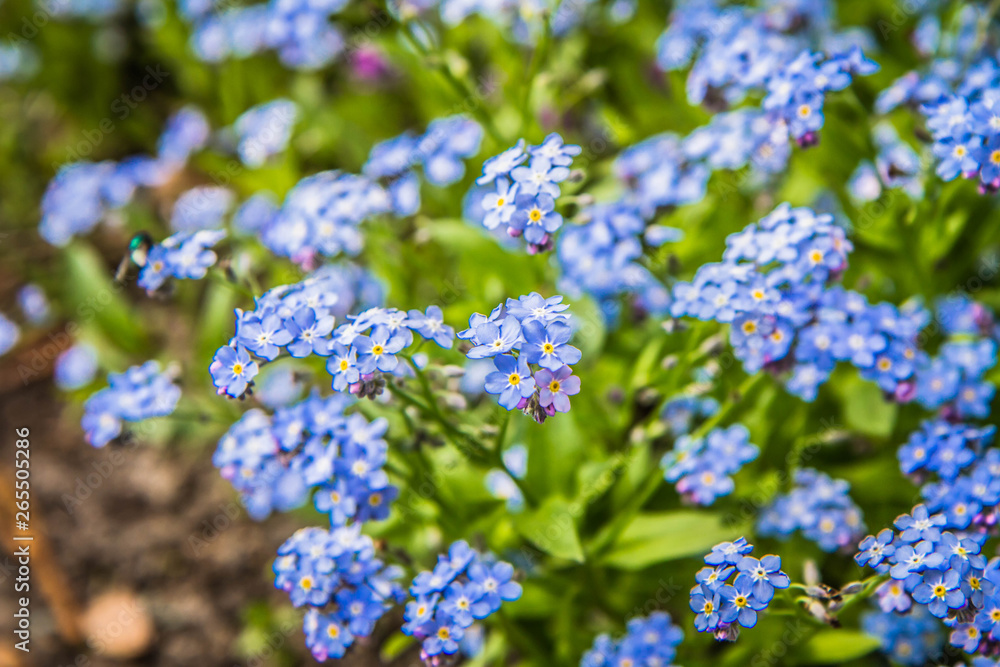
{"x": 555, "y": 388}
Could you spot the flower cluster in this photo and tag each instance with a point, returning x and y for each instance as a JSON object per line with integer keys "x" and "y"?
{"x": 359, "y": 360}
{"x": 969, "y": 499}
{"x": 82, "y": 194}
{"x": 722, "y": 607}
{"x": 941, "y": 570}
{"x": 321, "y": 215}
{"x": 464, "y": 587}
{"x": 526, "y": 182}
{"x": 300, "y": 31}
{"x": 737, "y": 51}
{"x": 345, "y": 588}
{"x": 439, "y": 151}
{"x": 185, "y": 255}
{"x": 203, "y": 207}
{"x": 741, "y": 52}
{"x": 602, "y": 258}
{"x": 943, "y": 448}
{"x": 702, "y": 466}
{"x": 524, "y": 332}
{"x": 264, "y": 130}
{"x": 682, "y": 412}
{"x": 276, "y": 461}
{"x": 773, "y": 288}
{"x": 648, "y": 642}
{"x": 909, "y": 639}
{"x": 819, "y": 507}
{"x": 299, "y": 318}
{"x": 141, "y": 392}
{"x": 956, "y": 94}
{"x": 953, "y": 380}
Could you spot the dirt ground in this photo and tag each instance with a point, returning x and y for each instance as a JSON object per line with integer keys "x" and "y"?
{"x": 149, "y": 561}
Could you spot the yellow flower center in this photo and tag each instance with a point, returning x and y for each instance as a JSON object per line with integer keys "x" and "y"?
{"x": 554, "y": 386}
{"x": 749, "y": 327}
{"x": 535, "y": 215}
{"x": 939, "y": 591}
{"x": 377, "y": 350}
{"x": 514, "y": 379}
{"x": 237, "y": 368}
{"x": 444, "y": 633}
{"x": 548, "y": 348}
{"x": 343, "y": 364}
{"x": 804, "y": 111}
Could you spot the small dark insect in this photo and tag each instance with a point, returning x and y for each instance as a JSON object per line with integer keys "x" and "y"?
{"x": 138, "y": 253}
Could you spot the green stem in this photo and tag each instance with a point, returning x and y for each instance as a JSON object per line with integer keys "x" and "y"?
{"x": 464, "y": 90}
{"x": 608, "y": 536}
{"x": 538, "y": 56}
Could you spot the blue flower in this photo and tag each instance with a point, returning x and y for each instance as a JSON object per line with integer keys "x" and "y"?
{"x": 326, "y": 637}
{"x": 378, "y": 350}
{"x": 499, "y": 205}
{"x": 940, "y": 592}
{"x": 728, "y": 552}
{"x": 496, "y": 582}
{"x": 739, "y": 603}
{"x": 264, "y": 130}
{"x": 263, "y": 335}
{"x": 458, "y": 602}
{"x": 343, "y": 366}
{"x": 76, "y": 367}
{"x": 546, "y": 345}
{"x": 232, "y": 370}
{"x": 916, "y": 558}
{"x": 706, "y": 603}
{"x": 492, "y": 339}
{"x": 765, "y": 575}
{"x": 309, "y": 333}
{"x": 539, "y": 177}
{"x": 502, "y": 164}
{"x": 919, "y": 525}
{"x": 535, "y": 216}
{"x": 512, "y": 381}
{"x": 875, "y": 549}
{"x": 988, "y": 618}
{"x": 555, "y": 151}
{"x": 430, "y": 324}
{"x": 443, "y": 637}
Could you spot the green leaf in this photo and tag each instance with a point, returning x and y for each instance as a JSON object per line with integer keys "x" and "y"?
{"x": 659, "y": 537}
{"x": 866, "y": 410}
{"x": 99, "y": 299}
{"x": 552, "y": 528}
{"x": 836, "y": 647}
